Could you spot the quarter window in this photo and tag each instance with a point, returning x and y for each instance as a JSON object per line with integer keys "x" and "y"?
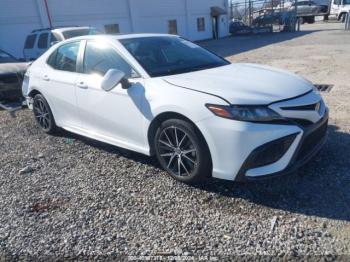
{"x": 100, "y": 57}
{"x": 65, "y": 57}
{"x": 42, "y": 43}
{"x": 29, "y": 44}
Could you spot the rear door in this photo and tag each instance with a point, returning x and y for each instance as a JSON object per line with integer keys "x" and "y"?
{"x": 58, "y": 82}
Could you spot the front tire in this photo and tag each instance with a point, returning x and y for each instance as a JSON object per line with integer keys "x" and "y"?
{"x": 43, "y": 114}
{"x": 181, "y": 150}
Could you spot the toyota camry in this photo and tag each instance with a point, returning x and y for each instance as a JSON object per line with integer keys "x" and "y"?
{"x": 162, "y": 95}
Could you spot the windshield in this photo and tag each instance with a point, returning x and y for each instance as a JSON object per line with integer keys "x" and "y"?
{"x": 80, "y": 32}
{"x": 346, "y": 2}
{"x": 6, "y": 58}
{"x": 162, "y": 56}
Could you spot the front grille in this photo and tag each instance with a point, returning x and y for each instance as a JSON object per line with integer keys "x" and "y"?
{"x": 302, "y": 122}
{"x": 310, "y": 107}
{"x": 270, "y": 152}
{"x": 311, "y": 141}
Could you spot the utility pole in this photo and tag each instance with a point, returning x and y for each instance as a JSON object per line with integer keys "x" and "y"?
{"x": 250, "y": 12}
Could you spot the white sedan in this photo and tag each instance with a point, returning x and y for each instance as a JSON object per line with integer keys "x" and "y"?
{"x": 163, "y": 95}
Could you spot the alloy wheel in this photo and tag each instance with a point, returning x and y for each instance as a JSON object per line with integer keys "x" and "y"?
{"x": 177, "y": 151}
{"x": 42, "y": 114}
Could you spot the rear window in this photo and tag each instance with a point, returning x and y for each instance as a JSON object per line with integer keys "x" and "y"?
{"x": 65, "y": 57}
{"x": 79, "y": 32}
{"x": 42, "y": 43}
{"x": 29, "y": 44}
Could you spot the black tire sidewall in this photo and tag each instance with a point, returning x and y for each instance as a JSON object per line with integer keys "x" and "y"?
{"x": 203, "y": 169}
{"x": 52, "y": 127}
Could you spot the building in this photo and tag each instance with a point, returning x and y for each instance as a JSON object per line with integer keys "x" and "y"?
{"x": 192, "y": 19}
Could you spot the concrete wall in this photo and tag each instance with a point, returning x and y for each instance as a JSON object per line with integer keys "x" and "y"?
{"x": 19, "y": 17}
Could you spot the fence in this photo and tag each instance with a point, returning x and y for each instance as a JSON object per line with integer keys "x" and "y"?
{"x": 266, "y": 13}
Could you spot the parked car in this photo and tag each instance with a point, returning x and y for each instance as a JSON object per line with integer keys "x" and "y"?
{"x": 267, "y": 17}
{"x": 162, "y": 95}
{"x": 307, "y": 10}
{"x": 11, "y": 77}
{"x": 239, "y": 28}
{"x": 40, "y": 40}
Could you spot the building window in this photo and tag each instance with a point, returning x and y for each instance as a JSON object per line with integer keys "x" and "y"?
{"x": 172, "y": 27}
{"x": 200, "y": 24}
{"x": 112, "y": 29}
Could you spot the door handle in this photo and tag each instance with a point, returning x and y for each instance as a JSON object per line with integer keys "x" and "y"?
{"x": 46, "y": 78}
{"x": 82, "y": 84}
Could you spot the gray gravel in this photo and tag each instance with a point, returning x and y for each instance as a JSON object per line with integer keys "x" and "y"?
{"x": 66, "y": 196}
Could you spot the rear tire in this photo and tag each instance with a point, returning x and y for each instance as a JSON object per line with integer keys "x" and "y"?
{"x": 182, "y": 151}
{"x": 43, "y": 115}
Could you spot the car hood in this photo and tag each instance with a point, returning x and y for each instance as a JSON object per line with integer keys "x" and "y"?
{"x": 244, "y": 83}
{"x": 7, "y": 68}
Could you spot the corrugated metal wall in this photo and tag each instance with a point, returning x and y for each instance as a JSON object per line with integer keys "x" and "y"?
{"x": 19, "y": 17}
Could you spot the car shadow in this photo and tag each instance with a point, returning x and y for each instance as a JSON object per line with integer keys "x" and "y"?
{"x": 234, "y": 45}
{"x": 137, "y": 157}
{"x": 320, "y": 188}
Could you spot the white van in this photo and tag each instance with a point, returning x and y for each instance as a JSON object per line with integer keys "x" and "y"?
{"x": 39, "y": 40}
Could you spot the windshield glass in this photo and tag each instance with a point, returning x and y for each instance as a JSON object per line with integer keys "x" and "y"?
{"x": 161, "y": 56}
{"x": 80, "y": 32}
{"x": 6, "y": 58}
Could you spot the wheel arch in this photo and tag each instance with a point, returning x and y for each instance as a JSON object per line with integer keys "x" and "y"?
{"x": 33, "y": 93}
{"x": 340, "y": 16}
{"x": 160, "y": 118}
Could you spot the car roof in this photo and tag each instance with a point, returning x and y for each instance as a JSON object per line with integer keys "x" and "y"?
{"x": 60, "y": 29}
{"x": 64, "y": 29}
{"x": 120, "y": 36}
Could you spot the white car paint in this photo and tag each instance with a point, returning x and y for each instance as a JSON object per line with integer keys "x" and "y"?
{"x": 122, "y": 117}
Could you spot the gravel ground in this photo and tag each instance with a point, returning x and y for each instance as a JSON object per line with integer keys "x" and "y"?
{"x": 66, "y": 196}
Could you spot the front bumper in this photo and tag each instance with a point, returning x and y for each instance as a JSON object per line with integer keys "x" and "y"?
{"x": 232, "y": 144}
{"x": 312, "y": 140}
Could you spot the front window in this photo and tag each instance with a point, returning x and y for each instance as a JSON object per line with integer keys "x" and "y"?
{"x": 100, "y": 57}
{"x": 161, "y": 56}
{"x": 80, "y": 32}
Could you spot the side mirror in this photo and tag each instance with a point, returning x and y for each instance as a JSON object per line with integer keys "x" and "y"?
{"x": 112, "y": 78}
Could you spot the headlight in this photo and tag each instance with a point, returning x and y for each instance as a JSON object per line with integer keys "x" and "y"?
{"x": 245, "y": 113}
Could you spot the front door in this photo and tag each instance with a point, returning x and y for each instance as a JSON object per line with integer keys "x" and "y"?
{"x": 113, "y": 116}
{"x": 335, "y": 7}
